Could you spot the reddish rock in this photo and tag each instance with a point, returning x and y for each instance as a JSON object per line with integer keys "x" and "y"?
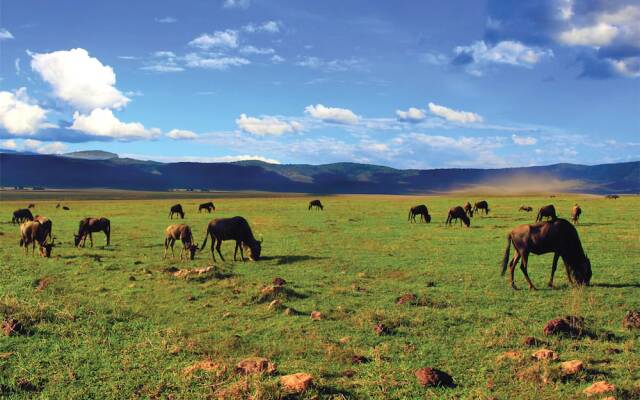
{"x": 356, "y": 359}
{"x": 631, "y": 320}
{"x": 255, "y": 365}
{"x": 275, "y": 305}
{"x": 279, "y": 282}
{"x": 599, "y": 388}
{"x": 545, "y": 354}
{"x": 569, "y": 325}
{"x": 42, "y": 284}
{"x": 572, "y": 367}
{"x": 296, "y": 383}
{"x": 381, "y": 329}
{"x": 26, "y": 385}
{"x": 12, "y": 326}
{"x": 316, "y": 315}
{"x": 345, "y": 339}
{"x": 349, "y": 373}
{"x": 409, "y": 298}
{"x": 434, "y": 377}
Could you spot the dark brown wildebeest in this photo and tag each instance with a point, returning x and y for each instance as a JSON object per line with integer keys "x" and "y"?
{"x": 481, "y": 205}
{"x": 558, "y": 237}
{"x": 65, "y": 208}
{"x": 90, "y": 225}
{"x": 47, "y": 225}
{"x": 457, "y": 212}
{"x": 183, "y": 233}
{"x": 525, "y": 208}
{"x": 547, "y": 212}
{"x": 31, "y": 205}
{"x": 468, "y": 209}
{"x": 420, "y": 210}
{"x": 612, "y": 196}
{"x": 575, "y": 214}
{"x": 316, "y": 204}
{"x": 32, "y": 232}
{"x": 176, "y": 209}
{"x": 207, "y": 206}
{"x": 235, "y": 228}
{"x": 22, "y": 215}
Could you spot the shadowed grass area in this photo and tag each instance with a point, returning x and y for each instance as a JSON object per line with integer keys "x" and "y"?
{"x": 110, "y": 323}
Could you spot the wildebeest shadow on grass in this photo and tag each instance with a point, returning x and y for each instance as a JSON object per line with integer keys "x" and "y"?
{"x": 593, "y": 224}
{"x": 617, "y": 285}
{"x": 290, "y": 259}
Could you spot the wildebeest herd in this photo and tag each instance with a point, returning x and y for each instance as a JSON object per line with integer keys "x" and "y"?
{"x": 554, "y": 235}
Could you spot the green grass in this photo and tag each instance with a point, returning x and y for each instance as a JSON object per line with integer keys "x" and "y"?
{"x": 112, "y": 324}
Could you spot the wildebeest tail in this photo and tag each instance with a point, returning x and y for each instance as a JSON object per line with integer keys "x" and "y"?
{"x": 505, "y": 260}
{"x": 206, "y": 236}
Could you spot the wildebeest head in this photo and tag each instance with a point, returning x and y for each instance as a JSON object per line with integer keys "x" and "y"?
{"x": 45, "y": 249}
{"x": 255, "y": 250}
{"x": 76, "y": 239}
{"x": 428, "y": 218}
{"x": 192, "y": 250}
{"x": 582, "y": 272}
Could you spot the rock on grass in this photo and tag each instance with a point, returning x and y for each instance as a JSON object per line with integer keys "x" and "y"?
{"x": 382, "y": 329}
{"x": 545, "y": 354}
{"x": 569, "y": 325}
{"x": 432, "y": 377}
{"x": 12, "y": 327}
{"x": 631, "y": 320}
{"x": 572, "y": 367}
{"x": 600, "y": 387}
{"x": 316, "y": 316}
{"x": 407, "y": 298}
{"x": 296, "y": 383}
{"x": 255, "y": 365}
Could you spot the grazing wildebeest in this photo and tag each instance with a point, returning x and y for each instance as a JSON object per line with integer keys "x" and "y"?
{"x": 420, "y": 210}
{"x": 481, "y": 205}
{"x": 31, "y": 205}
{"x": 548, "y": 212}
{"x": 468, "y": 209}
{"x": 525, "y": 208}
{"x": 236, "y": 228}
{"x": 65, "y": 208}
{"x": 457, "y": 212}
{"x": 558, "y": 237}
{"x": 88, "y": 226}
{"x": 22, "y": 215}
{"x": 176, "y": 209}
{"x": 183, "y": 233}
{"x": 207, "y": 206}
{"x": 316, "y": 204}
{"x": 46, "y": 223}
{"x": 612, "y": 196}
{"x": 32, "y": 232}
{"x": 575, "y": 213}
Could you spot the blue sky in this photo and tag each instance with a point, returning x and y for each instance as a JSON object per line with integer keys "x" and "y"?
{"x": 408, "y": 84}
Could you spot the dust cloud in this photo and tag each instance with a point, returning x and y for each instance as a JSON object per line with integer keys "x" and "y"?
{"x": 524, "y": 184}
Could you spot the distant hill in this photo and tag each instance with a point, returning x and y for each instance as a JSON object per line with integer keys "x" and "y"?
{"x": 91, "y": 155}
{"x": 123, "y": 173}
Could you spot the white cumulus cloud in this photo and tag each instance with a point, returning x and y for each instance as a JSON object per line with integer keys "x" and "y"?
{"x": 505, "y": 52}
{"x": 332, "y": 114}
{"x": 269, "y": 27}
{"x": 193, "y": 60}
{"x": 102, "y": 122}
{"x": 5, "y": 34}
{"x": 267, "y": 125}
{"x": 411, "y": 115}
{"x": 524, "y": 140}
{"x": 242, "y": 4}
{"x": 181, "y": 134}
{"x": 600, "y": 34}
{"x": 19, "y": 115}
{"x": 449, "y": 114}
{"x": 79, "y": 79}
{"x": 43, "y": 148}
{"x": 227, "y": 38}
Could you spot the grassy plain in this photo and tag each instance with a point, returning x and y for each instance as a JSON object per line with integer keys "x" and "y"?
{"x": 112, "y": 324}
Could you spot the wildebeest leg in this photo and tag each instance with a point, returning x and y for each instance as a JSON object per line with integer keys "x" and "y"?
{"x": 218, "y": 249}
{"x": 235, "y": 252}
{"x": 523, "y": 267}
{"x": 213, "y": 243}
{"x": 166, "y": 246}
{"x": 91, "y": 239}
{"x": 241, "y": 253}
{"x": 553, "y": 268}
{"x": 172, "y": 242}
{"x": 512, "y": 268}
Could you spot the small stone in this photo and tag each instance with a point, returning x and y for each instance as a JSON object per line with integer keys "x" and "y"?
{"x": 255, "y": 365}
{"x": 26, "y": 385}
{"x": 42, "y": 284}
{"x": 545, "y": 354}
{"x": 137, "y": 263}
{"x": 613, "y": 350}
{"x": 11, "y": 327}
{"x": 132, "y": 278}
{"x": 296, "y": 383}
{"x": 381, "y": 329}
{"x": 316, "y": 315}
{"x": 631, "y": 320}
{"x": 357, "y": 359}
{"x": 191, "y": 298}
{"x": 407, "y": 298}
{"x": 226, "y": 315}
{"x": 279, "y": 282}
{"x": 349, "y": 373}
{"x": 428, "y": 377}
{"x": 345, "y": 339}
{"x": 275, "y": 305}
{"x": 531, "y": 341}
{"x": 599, "y": 388}
{"x": 572, "y": 367}
{"x": 288, "y": 311}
